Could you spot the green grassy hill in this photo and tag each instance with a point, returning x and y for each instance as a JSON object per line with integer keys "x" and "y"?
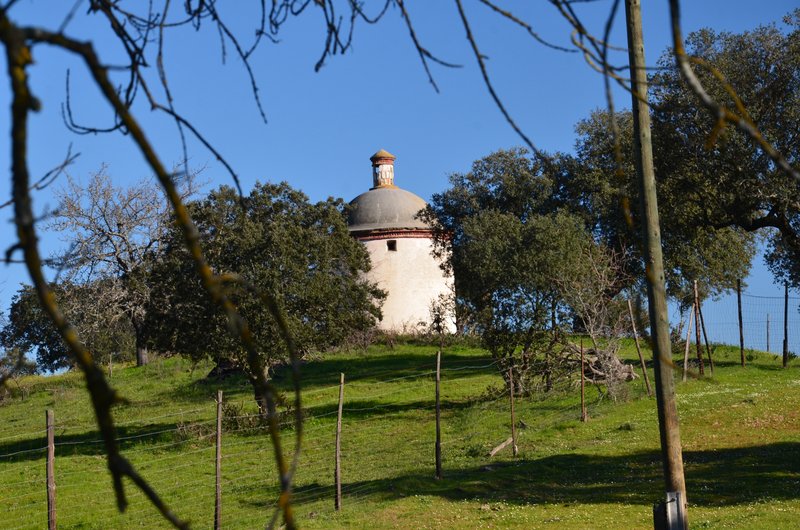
{"x": 740, "y": 433}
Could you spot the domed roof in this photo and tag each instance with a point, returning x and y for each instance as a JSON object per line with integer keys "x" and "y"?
{"x": 386, "y": 208}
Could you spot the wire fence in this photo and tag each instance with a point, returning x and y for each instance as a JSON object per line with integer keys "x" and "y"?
{"x": 175, "y": 451}
{"x": 764, "y": 320}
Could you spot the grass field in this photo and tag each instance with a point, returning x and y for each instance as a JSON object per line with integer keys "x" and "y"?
{"x": 740, "y": 434}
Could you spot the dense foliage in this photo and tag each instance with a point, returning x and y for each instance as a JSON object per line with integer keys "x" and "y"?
{"x": 104, "y": 330}
{"x": 508, "y": 245}
{"x": 721, "y": 179}
{"x": 530, "y": 236}
{"x": 273, "y": 240}
{"x": 591, "y": 187}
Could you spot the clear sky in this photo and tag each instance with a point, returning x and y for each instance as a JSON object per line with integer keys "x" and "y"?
{"x": 322, "y": 127}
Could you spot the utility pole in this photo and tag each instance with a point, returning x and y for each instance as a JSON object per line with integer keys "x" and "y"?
{"x": 669, "y": 428}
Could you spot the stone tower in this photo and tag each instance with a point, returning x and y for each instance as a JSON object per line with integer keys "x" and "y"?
{"x": 399, "y": 245}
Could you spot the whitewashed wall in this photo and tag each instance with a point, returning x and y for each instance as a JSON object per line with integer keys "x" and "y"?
{"x": 412, "y": 278}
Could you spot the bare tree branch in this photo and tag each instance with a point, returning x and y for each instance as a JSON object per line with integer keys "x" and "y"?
{"x": 723, "y": 114}
{"x": 481, "y": 64}
{"x": 18, "y": 56}
{"x": 49, "y": 177}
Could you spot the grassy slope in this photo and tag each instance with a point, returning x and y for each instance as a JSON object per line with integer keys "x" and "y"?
{"x": 740, "y": 431}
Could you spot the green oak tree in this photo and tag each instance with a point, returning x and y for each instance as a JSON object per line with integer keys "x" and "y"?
{"x": 593, "y": 186}
{"x": 507, "y": 243}
{"x": 729, "y": 183}
{"x": 103, "y": 326}
{"x": 272, "y": 240}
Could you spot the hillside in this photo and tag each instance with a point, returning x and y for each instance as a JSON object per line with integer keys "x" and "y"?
{"x": 740, "y": 432}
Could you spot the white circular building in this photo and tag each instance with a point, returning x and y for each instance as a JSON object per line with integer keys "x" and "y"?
{"x": 385, "y": 220}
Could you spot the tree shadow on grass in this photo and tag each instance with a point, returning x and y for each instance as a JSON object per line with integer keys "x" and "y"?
{"x": 319, "y": 374}
{"x": 720, "y": 477}
{"x": 381, "y": 368}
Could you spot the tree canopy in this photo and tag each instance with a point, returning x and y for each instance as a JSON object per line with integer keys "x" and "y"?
{"x": 113, "y": 234}
{"x": 104, "y": 329}
{"x": 506, "y": 243}
{"x": 594, "y": 187}
{"x": 275, "y": 240}
{"x": 718, "y": 179}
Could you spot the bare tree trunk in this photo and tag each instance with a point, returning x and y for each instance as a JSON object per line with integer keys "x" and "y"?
{"x": 741, "y": 328}
{"x": 584, "y": 416}
{"x": 786, "y": 325}
{"x": 686, "y": 348}
{"x": 142, "y": 357}
{"x": 697, "y": 340}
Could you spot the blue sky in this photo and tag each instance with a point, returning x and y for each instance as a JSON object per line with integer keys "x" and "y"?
{"x": 322, "y": 127}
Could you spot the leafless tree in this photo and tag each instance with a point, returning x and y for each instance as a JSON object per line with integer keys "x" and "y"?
{"x": 592, "y": 292}
{"x": 112, "y": 234}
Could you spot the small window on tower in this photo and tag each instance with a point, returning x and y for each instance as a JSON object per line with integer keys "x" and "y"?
{"x": 392, "y": 245}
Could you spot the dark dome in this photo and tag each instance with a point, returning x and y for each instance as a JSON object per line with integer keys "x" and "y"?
{"x": 386, "y": 208}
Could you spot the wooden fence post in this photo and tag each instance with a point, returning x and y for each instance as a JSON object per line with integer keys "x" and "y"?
{"x": 514, "y": 448}
{"x": 584, "y": 416}
{"x": 697, "y": 340}
{"x": 705, "y": 337}
{"x": 438, "y": 417}
{"x": 218, "y": 472}
{"x": 741, "y": 328}
{"x": 700, "y": 325}
{"x": 638, "y": 350}
{"x": 767, "y": 331}
{"x": 50, "y": 471}
{"x": 337, "y": 471}
{"x": 786, "y": 325}
{"x": 686, "y": 348}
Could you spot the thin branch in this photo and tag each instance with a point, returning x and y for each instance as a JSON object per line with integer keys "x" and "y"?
{"x": 265, "y": 392}
{"x": 723, "y": 114}
{"x": 69, "y": 16}
{"x": 49, "y": 177}
{"x": 424, "y": 54}
{"x": 518, "y": 21}
{"x": 18, "y": 57}
{"x": 244, "y": 56}
{"x": 480, "y": 58}
{"x": 162, "y": 76}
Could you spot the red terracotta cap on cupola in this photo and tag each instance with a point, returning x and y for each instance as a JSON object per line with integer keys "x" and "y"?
{"x": 382, "y": 157}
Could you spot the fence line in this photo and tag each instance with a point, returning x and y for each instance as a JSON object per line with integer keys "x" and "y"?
{"x": 762, "y": 322}
{"x": 182, "y": 469}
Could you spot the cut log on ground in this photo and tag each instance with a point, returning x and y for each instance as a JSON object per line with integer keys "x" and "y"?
{"x": 501, "y": 447}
